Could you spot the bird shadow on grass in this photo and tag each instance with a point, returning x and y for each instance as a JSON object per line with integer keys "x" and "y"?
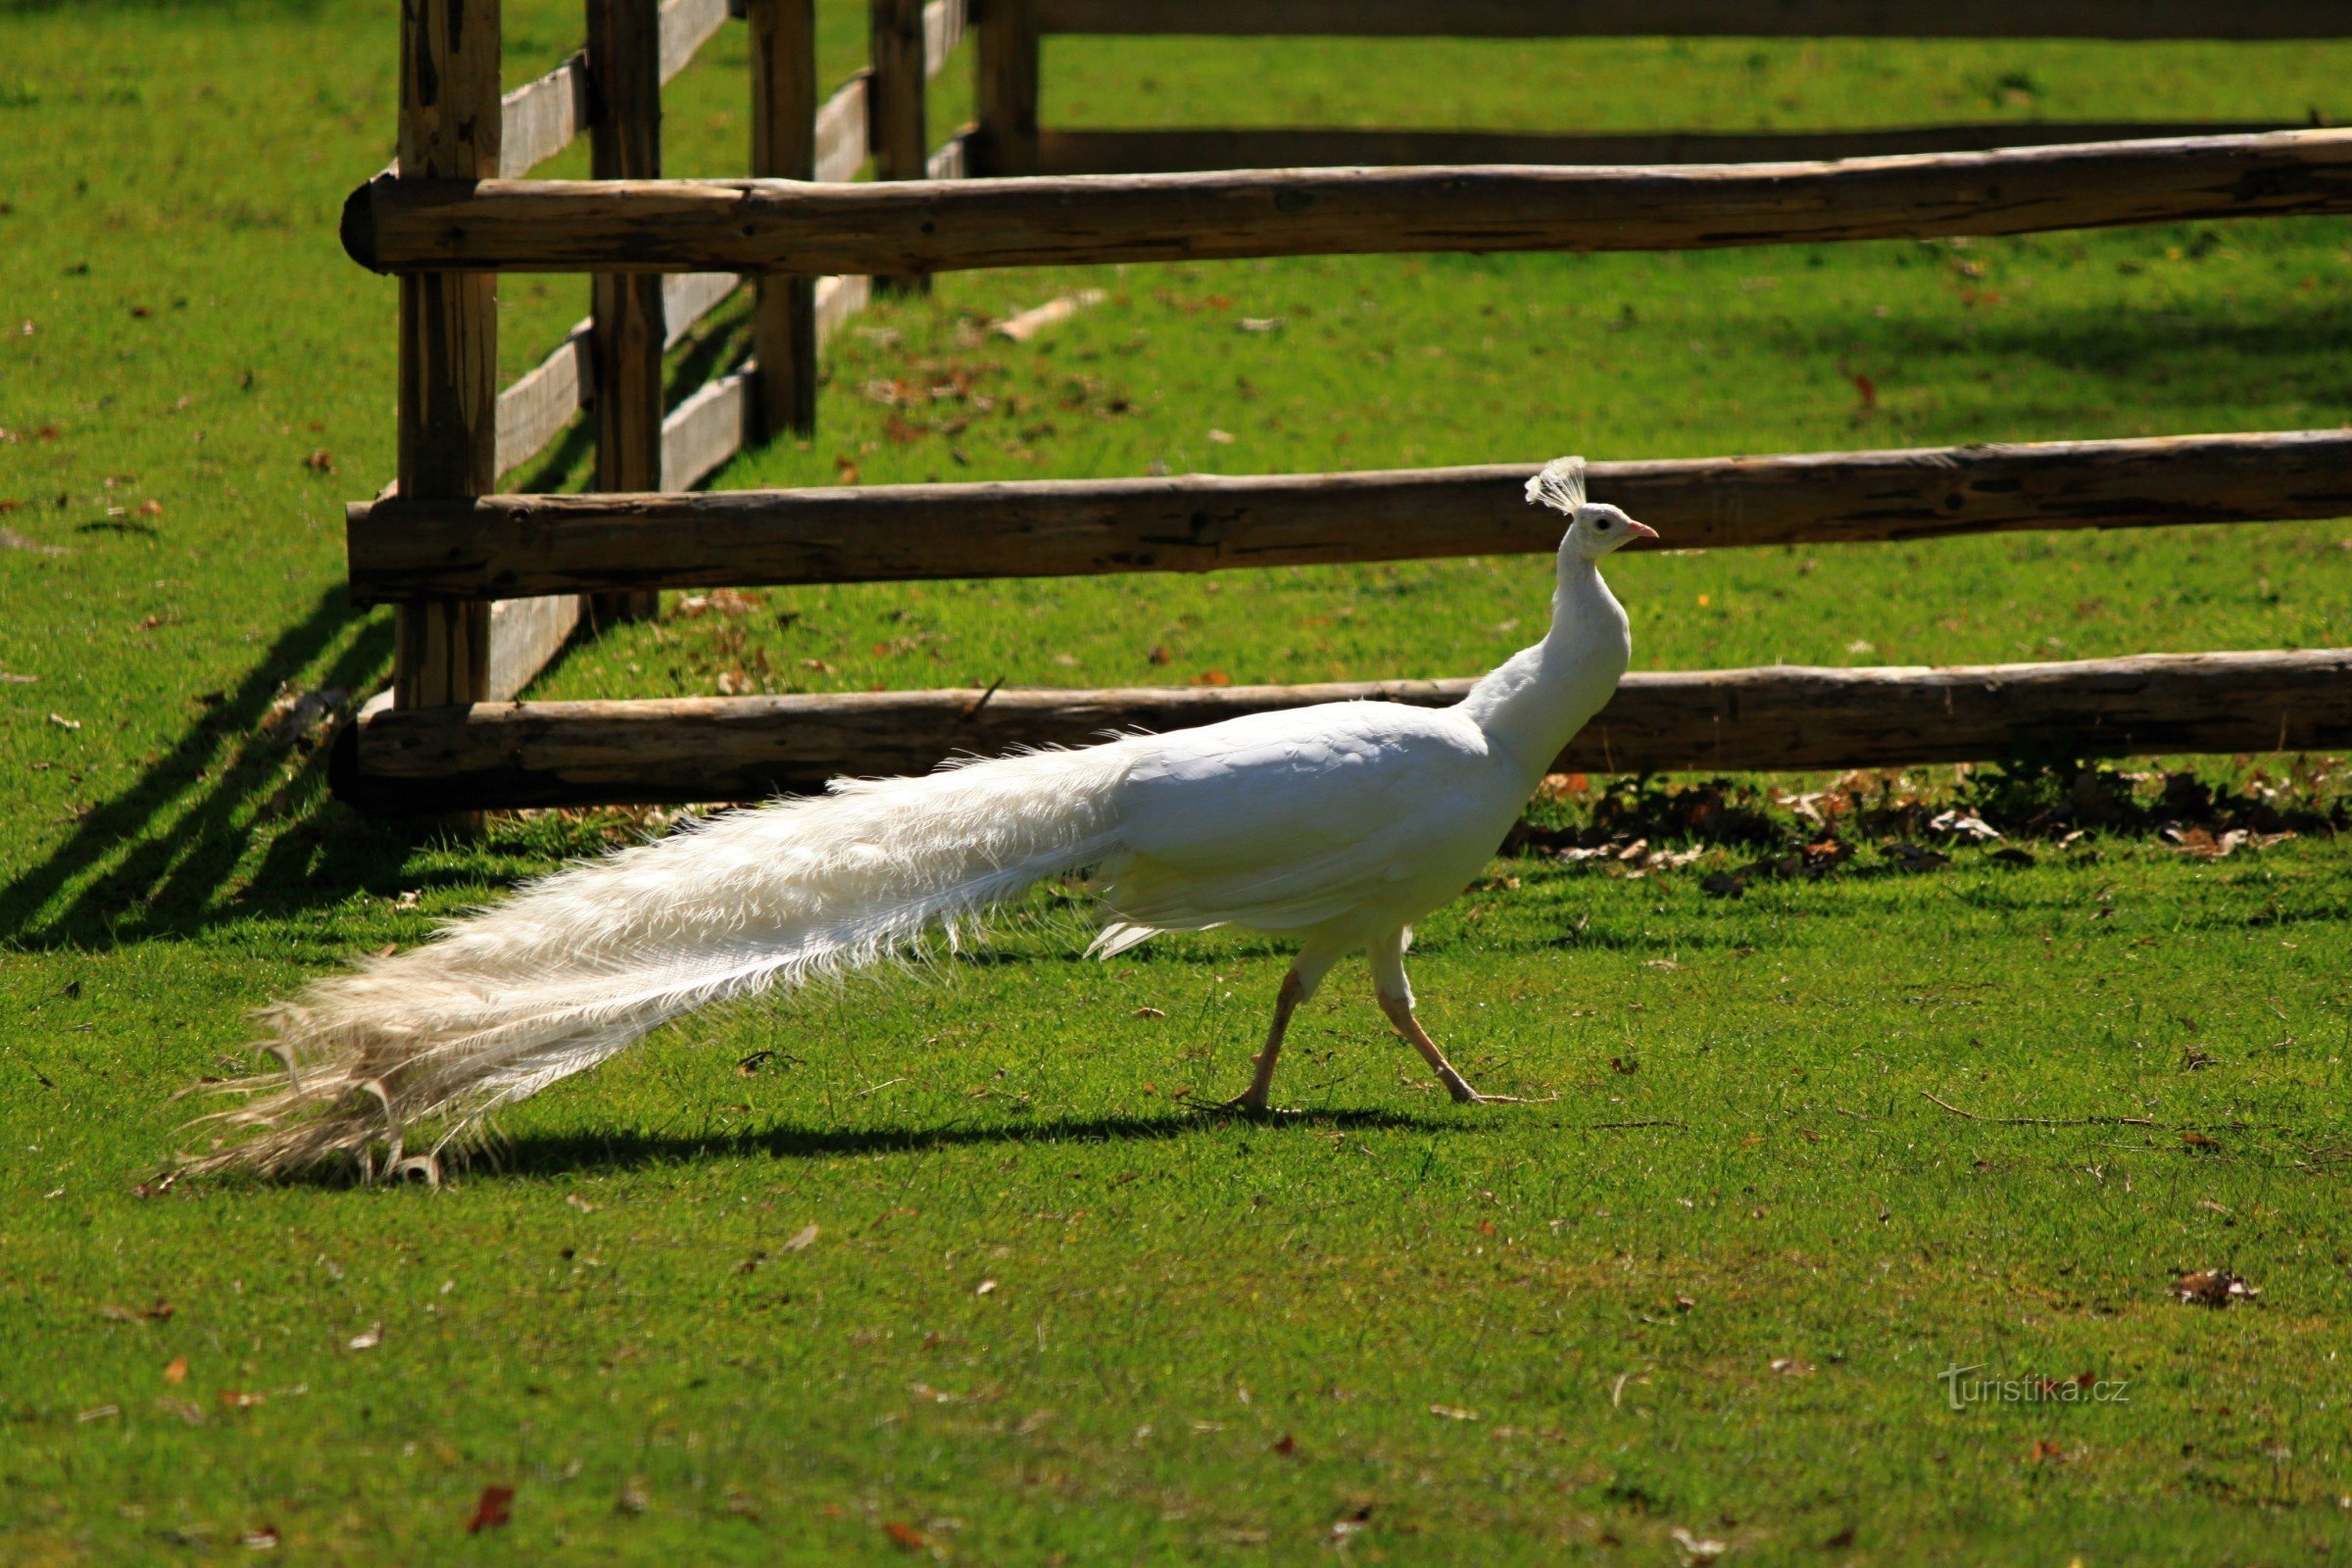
{"x": 562, "y": 1153}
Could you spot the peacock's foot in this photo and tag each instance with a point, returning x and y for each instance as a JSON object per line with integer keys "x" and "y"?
{"x": 1247, "y": 1105}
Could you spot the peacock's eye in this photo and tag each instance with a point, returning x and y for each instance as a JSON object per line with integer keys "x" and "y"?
{"x": 1602, "y": 525}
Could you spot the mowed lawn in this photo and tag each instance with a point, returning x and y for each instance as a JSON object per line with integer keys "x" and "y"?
{"x": 944, "y": 1265}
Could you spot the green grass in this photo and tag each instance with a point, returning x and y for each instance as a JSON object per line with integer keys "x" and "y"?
{"x": 607, "y": 1315}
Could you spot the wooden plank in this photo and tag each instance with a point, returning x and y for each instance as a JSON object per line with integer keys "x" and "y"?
{"x": 1778, "y": 719}
{"x": 1062, "y": 219}
{"x": 688, "y": 297}
{"x": 950, "y": 158}
{"x": 542, "y": 400}
{"x": 902, "y": 143}
{"x": 841, "y": 125}
{"x": 943, "y": 24}
{"x": 403, "y": 549}
{"x": 686, "y": 26}
{"x": 626, "y": 42}
{"x": 1176, "y": 150}
{"x": 1006, "y": 89}
{"x": 784, "y": 146}
{"x": 541, "y": 118}
{"x": 450, "y": 129}
{"x": 709, "y": 428}
{"x": 1706, "y": 19}
{"x": 837, "y": 300}
{"x": 524, "y": 635}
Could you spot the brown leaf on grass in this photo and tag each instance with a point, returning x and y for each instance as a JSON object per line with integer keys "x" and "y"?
{"x": 2196, "y": 1140}
{"x": 1212, "y": 677}
{"x": 150, "y": 507}
{"x": 2216, "y": 1287}
{"x": 905, "y": 1536}
{"x": 803, "y": 1239}
{"x": 1286, "y": 1445}
{"x": 175, "y": 1370}
{"x": 491, "y": 1510}
{"x": 242, "y": 1398}
{"x": 1151, "y": 1012}
{"x": 845, "y": 470}
{"x": 2045, "y": 1452}
{"x": 1157, "y": 655}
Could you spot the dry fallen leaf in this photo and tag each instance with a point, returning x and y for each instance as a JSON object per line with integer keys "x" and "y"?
{"x": 2045, "y": 1451}
{"x": 367, "y": 1338}
{"x": 2212, "y": 1286}
{"x": 265, "y": 1538}
{"x": 803, "y": 1239}
{"x": 1454, "y": 1413}
{"x": 1791, "y": 1366}
{"x": 491, "y": 1510}
{"x": 985, "y": 1288}
{"x": 1149, "y": 1013}
{"x": 904, "y": 1535}
{"x": 1698, "y": 1548}
{"x": 175, "y": 1370}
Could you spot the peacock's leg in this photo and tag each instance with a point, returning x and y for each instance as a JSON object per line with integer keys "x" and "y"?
{"x": 1396, "y": 995}
{"x": 1306, "y": 973}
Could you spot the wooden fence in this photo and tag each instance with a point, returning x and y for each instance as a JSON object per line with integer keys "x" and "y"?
{"x": 459, "y": 209}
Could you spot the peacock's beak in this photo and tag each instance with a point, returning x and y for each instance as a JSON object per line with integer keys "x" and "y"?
{"x": 1638, "y": 531}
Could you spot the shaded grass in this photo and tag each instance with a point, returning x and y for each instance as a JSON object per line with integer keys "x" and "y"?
{"x": 607, "y": 1314}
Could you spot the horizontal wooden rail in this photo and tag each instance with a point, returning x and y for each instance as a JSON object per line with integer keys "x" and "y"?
{"x": 1780, "y": 719}
{"x": 541, "y": 118}
{"x": 406, "y": 225}
{"x": 1175, "y": 150}
{"x": 499, "y": 545}
{"x": 1703, "y": 19}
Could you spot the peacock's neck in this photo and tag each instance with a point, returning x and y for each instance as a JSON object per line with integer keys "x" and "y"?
{"x": 1539, "y": 696}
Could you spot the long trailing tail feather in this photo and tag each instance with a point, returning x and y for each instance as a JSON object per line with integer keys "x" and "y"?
{"x": 579, "y": 966}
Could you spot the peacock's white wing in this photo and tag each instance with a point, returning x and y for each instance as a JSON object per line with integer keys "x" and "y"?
{"x": 1559, "y": 484}
{"x": 1280, "y": 822}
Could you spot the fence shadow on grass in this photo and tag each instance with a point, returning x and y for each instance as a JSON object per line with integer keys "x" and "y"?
{"x": 571, "y": 1153}
{"x": 152, "y": 860}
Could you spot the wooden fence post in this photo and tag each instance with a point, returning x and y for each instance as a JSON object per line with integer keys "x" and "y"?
{"x": 1005, "y": 90}
{"x": 896, "y": 129}
{"x": 784, "y": 147}
{"x": 448, "y": 440}
{"x": 625, "y": 64}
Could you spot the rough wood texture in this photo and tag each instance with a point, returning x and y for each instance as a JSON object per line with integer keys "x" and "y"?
{"x": 709, "y": 427}
{"x": 450, "y": 129}
{"x": 1782, "y": 719}
{"x": 902, "y": 141}
{"x": 1177, "y": 150}
{"x": 524, "y": 634}
{"x": 545, "y": 544}
{"x": 784, "y": 112}
{"x": 624, "y": 46}
{"x": 542, "y": 400}
{"x": 841, "y": 125}
{"x": 927, "y": 225}
{"x": 541, "y": 118}
{"x": 1005, "y": 90}
{"x": 1705, "y": 19}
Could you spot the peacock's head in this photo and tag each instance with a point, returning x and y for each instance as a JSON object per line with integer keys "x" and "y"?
{"x": 1595, "y": 527}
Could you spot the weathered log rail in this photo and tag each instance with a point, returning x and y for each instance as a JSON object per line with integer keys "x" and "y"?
{"x": 405, "y": 225}
{"x": 510, "y": 545}
{"x": 440, "y": 545}
{"x": 1782, "y": 718}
